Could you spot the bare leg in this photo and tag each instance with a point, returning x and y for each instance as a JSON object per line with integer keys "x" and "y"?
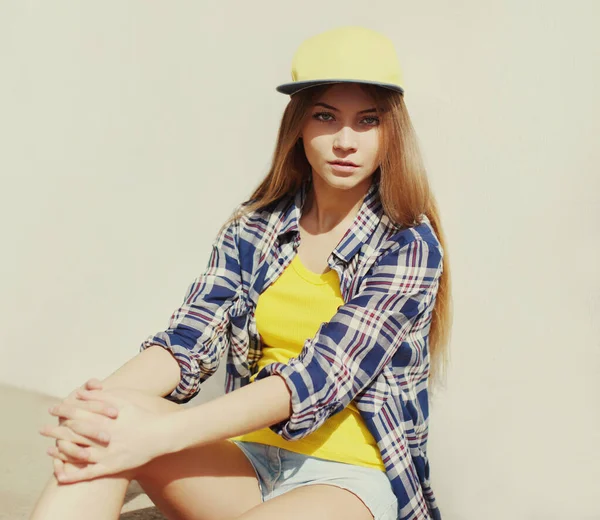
{"x": 314, "y": 501}
{"x": 100, "y": 499}
{"x": 198, "y": 483}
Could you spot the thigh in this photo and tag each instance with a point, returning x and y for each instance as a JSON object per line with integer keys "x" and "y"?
{"x": 209, "y": 482}
{"x": 314, "y": 501}
{"x": 198, "y": 483}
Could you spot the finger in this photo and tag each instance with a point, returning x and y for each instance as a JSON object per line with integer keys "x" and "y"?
{"x": 57, "y": 445}
{"x": 87, "y": 457}
{"x": 63, "y": 410}
{"x": 55, "y": 453}
{"x": 93, "y": 384}
{"x": 83, "y": 435}
{"x": 90, "y": 472}
{"x": 73, "y": 451}
{"x": 59, "y": 432}
{"x": 100, "y": 395}
{"x": 90, "y": 441}
{"x": 57, "y": 465}
{"x": 98, "y": 407}
{"x": 89, "y": 430}
{"x": 70, "y": 411}
{"x": 60, "y": 467}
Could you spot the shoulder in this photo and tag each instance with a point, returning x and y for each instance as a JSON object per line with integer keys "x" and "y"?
{"x": 265, "y": 219}
{"x": 252, "y": 229}
{"x": 419, "y": 240}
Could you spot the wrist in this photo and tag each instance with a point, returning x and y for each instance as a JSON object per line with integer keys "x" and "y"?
{"x": 166, "y": 438}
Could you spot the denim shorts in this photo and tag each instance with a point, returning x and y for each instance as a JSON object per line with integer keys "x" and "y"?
{"x": 279, "y": 470}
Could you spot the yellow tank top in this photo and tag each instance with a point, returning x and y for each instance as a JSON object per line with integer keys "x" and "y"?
{"x": 288, "y": 313}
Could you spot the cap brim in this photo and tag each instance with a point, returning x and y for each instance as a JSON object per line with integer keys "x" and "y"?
{"x": 296, "y": 86}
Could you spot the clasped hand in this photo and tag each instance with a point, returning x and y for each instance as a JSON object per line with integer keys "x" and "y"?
{"x": 101, "y": 433}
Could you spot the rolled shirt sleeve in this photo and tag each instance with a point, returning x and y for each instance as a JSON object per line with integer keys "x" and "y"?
{"x": 197, "y": 330}
{"x": 350, "y": 350}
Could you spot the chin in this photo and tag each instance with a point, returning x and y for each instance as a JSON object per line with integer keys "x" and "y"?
{"x": 343, "y": 182}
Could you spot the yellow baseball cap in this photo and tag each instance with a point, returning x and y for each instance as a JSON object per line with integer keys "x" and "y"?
{"x": 345, "y": 55}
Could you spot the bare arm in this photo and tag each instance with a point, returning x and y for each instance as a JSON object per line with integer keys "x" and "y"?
{"x": 252, "y": 407}
{"x": 154, "y": 371}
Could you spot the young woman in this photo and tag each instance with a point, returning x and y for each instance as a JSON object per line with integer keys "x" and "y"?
{"x": 329, "y": 292}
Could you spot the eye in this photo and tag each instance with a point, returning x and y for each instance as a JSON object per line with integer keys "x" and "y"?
{"x": 374, "y": 119}
{"x": 318, "y": 114}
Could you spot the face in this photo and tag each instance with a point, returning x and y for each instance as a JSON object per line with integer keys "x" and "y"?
{"x": 342, "y": 125}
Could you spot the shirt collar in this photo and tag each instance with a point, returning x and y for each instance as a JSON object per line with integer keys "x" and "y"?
{"x": 365, "y": 222}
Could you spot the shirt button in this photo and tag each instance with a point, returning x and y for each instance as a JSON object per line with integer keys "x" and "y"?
{"x": 280, "y": 260}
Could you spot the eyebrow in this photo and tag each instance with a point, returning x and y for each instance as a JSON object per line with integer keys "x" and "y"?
{"x": 368, "y": 110}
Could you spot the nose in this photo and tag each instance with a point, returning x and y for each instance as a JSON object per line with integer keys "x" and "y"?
{"x": 345, "y": 139}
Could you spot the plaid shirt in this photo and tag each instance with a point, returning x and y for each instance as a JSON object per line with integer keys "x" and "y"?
{"x": 374, "y": 350}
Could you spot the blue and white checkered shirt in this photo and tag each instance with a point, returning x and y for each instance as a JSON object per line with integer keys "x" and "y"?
{"x": 374, "y": 350}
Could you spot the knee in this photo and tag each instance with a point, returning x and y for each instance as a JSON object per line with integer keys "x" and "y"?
{"x": 126, "y": 475}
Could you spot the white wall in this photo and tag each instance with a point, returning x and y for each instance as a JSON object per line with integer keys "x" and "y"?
{"x": 129, "y": 130}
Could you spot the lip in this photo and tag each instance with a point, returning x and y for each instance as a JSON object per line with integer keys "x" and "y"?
{"x": 343, "y": 163}
{"x": 343, "y": 168}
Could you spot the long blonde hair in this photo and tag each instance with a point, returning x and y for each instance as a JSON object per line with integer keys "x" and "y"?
{"x": 403, "y": 188}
